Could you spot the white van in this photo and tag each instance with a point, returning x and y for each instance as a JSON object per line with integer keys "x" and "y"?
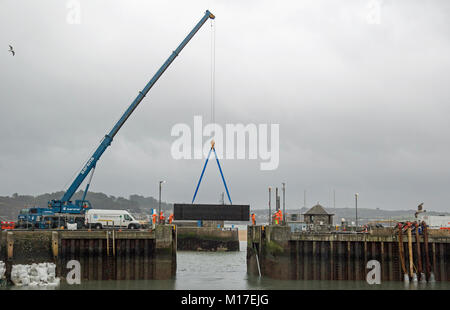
{"x": 98, "y": 218}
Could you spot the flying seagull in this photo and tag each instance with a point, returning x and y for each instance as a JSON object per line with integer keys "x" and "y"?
{"x": 12, "y": 50}
{"x": 419, "y": 207}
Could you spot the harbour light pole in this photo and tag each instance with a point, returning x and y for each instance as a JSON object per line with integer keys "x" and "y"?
{"x": 356, "y": 209}
{"x": 270, "y": 211}
{"x": 284, "y": 204}
{"x": 159, "y": 211}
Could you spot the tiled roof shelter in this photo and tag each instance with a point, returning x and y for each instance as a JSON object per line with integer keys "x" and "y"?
{"x": 317, "y": 215}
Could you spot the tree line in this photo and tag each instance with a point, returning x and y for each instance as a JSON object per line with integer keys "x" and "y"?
{"x": 10, "y": 206}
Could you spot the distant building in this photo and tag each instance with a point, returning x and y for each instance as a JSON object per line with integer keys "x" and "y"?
{"x": 295, "y": 222}
{"x": 318, "y": 216}
{"x": 293, "y": 217}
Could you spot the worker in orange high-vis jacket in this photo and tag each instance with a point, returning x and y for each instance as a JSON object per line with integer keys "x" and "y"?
{"x": 161, "y": 218}
{"x": 280, "y": 216}
{"x": 154, "y": 220}
{"x": 170, "y": 218}
{"x": 253, "y": 219}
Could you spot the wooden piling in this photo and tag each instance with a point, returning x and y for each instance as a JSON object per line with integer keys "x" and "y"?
{"x": 55, "y": 246}
{"x": 401, "y": 252}
{"x": 427, "y": 251}
{"x": 322, "y": 256}
{"x": 441, "y": 262}
{"x": 306, "y": 261}
{"x": 390, "y": 262}
{"x": 410, "y": 251}
{"x": 433, "y": 249}
{"x": 348, "y": 267}
{"x": 332, "y": 272}
{"x": 314, "y": 260}
{"x": 107, "y": 242}
{"x": 383, "y": 263}
{"x": 419, "y": 256}
{"x": 10, "y": 245}
{"x": 357, "y": 258}
{"x": 100, "y": 259}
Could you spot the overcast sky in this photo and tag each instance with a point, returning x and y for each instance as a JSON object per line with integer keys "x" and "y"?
{"x": 361, "y": 96}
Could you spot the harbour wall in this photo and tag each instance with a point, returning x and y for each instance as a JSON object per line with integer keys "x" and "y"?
{"x": 103, "y": 254}
{"x": 332, "y": 256}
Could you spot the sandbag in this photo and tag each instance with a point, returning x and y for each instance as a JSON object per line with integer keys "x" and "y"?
{"x": 42, "y": 274}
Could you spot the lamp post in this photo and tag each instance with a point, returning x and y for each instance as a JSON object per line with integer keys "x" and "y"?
{"x": 356, "y": 209}
{"x": 270, "y": 211}
{"x": 159, "y": 211}
{"x": 284, "y": 204}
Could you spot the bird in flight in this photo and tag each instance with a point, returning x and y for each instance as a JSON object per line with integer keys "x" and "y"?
{"x": 12, "y": 50}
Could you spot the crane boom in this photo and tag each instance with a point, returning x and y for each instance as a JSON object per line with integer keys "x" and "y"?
{"x": 106, "y": 141}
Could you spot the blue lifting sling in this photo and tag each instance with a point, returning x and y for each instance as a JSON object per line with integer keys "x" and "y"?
{"x": 203, "y": 171}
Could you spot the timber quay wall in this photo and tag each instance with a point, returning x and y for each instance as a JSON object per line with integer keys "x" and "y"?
{"x": 103, "y": 254}
{"x": 207, "y": 239}
{"x": 337, "y": 256}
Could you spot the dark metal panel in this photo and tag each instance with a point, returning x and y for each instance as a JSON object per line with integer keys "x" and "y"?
{"x": 211, "y": 212}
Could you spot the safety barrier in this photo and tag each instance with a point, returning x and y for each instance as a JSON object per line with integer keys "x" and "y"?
{"x": 8, "y": 225}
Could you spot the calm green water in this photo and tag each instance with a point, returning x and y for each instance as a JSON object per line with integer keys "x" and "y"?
{"x": 228, "y": 271}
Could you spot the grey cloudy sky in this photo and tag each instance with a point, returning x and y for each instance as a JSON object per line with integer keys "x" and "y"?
{"x": 362, "y": 106}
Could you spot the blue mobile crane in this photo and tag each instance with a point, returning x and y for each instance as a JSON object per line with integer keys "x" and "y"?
{"x": 64, "y": 209}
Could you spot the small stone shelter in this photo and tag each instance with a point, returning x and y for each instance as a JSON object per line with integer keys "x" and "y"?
{"x": 318, "y": 216}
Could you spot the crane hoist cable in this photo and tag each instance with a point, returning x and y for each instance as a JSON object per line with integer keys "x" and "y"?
{"x": 213, "y": 119}
{"x": 213, "y": 72}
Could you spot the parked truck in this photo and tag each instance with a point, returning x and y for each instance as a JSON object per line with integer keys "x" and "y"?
{"x": 45, "y": 218}
{"x": 98, "y": 219}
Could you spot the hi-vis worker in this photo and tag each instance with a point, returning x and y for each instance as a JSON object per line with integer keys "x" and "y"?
{"x": 161, "y": 218}
{"x": 276, "y": 217}
{"x": 154, "y": 220}
{"x": 253, "y": 219}
{"x": 280, "y": 216}
{"x": 170, "y": 218}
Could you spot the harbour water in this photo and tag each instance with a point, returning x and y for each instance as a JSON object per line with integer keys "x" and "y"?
{"x": 228, "y": 271}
